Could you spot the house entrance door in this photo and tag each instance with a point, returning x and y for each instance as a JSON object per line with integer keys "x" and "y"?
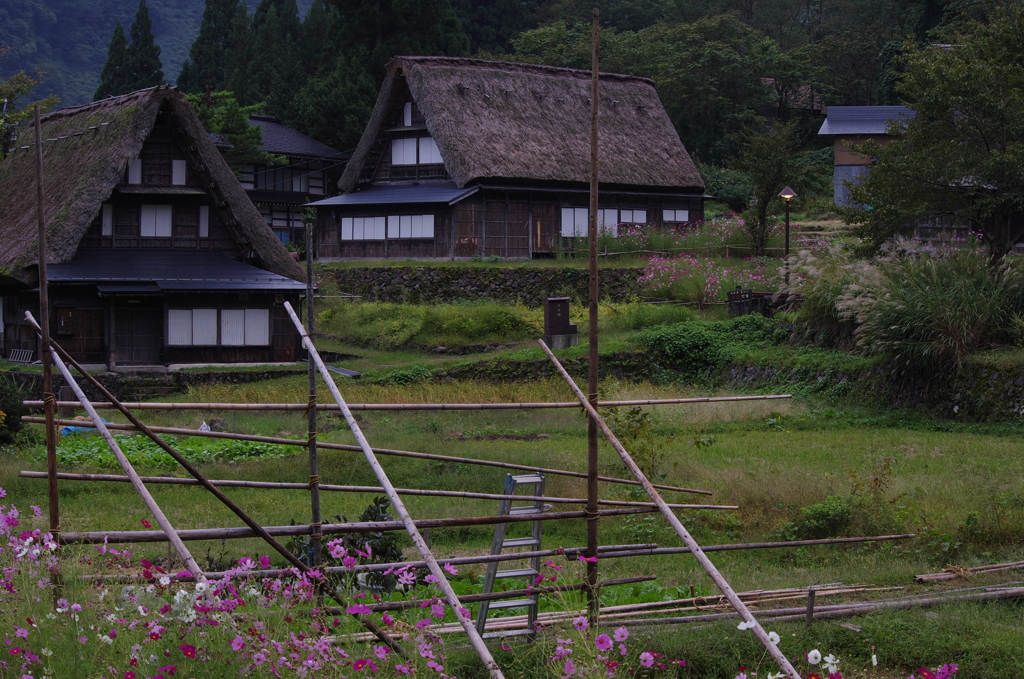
{"x": 138, "y": 334}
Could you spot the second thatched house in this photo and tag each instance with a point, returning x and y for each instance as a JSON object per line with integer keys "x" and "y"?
{"x": 466, "y": 157}
{"x": 155, "y": 254}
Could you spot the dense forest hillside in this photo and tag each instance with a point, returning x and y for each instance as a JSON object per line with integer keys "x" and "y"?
{"x": 68, "y": 39}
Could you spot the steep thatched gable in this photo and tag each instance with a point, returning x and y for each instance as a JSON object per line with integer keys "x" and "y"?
{"x": 502, "y": 120}
{"x": 85, "y": 152}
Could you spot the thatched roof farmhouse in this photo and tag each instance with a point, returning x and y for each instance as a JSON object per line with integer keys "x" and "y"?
{"x": 468, "y": 157}
{"x": 155, "y": 254}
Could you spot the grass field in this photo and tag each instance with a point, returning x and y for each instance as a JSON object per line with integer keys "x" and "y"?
{"x": 960, "y": 491}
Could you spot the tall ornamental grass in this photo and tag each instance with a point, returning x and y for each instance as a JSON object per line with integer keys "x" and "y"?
{"x": 925, "y": 312}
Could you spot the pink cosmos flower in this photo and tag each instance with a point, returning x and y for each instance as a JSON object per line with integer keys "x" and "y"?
{"x": 646, "y": 659}
{"x": 264, "y": 562}
{"x": 358, "y": 609}
{"x": 423, "y": 623}
{"x": 581, "y": 623}
{"x": 451, "y": 569}
{"x": 437, "y": 667}
{"x": 431, "y": 578}
{"x": 621, "y": 634}
{"x": 349, "y": 562}
{"x": 569, "y": 669}
{"x": 388, "y": 620}
{"x": 403, "y": 669}
{"x": 552, "y": 564}
{"x": 188, "y": 650}
{"x": 381, "y": 651}
{"x": 237, "y": 644}
{"x": 364, "y": 664}
{"x": 603, "y": 642}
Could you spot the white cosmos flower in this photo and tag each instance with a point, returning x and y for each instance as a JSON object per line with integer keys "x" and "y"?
{"x": 164, "y": 581}
{"x": 814, "y": 657}
{"x": 773, "y": 637}
{"x": 745, "y": 625}
{"x": 831, "y": 663}
{"x": 874, "y": 660}
{"x": 201, "y": 587}
{"x": 47, "y": 652}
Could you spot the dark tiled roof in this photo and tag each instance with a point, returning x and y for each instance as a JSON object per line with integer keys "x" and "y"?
{"x": 280, "y": 139}
{"x": 169, "y": 270}
{"x": 434, "y": 192}
{"x": 863, "y": 119}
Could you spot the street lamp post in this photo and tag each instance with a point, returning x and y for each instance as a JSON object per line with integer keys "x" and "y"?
{"x": 787, "y": 194}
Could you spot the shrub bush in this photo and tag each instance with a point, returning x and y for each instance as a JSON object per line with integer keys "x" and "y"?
{"x": 11, "y": 409}
{"x": 637, "y": 316}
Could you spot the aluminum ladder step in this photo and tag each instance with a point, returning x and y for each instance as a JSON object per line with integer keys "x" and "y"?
{"x": 517, "y": 573}
{"x": 521, "y": 542}
{"x": 512, "y": 603}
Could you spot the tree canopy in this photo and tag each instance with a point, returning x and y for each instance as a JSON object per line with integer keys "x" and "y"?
{"x": 962, "y": 156}
{"x": 134, "y": 66}
{"x": 12, "y": 115}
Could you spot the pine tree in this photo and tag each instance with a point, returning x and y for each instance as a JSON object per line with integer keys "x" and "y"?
{"x": 275, "y": 71}
{"x": 116, "y": 73}
{"x": 144, "y": 53}
{"x": 214, "y": 53}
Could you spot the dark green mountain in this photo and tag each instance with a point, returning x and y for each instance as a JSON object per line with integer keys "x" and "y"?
{"x": 69, "y": 39}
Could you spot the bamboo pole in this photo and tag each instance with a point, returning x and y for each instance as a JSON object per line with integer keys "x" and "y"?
{"x": 145, "y": 405}
{"x": 380, "y": 451}
{"x": 759, "y": 545}
{"x": 167, "y": 530}
{"x": 135, "y": 536}
{"x": 280, "y": 485}
{"x": 199, "y": 477}
{"x": 44, "y": 353}
{"x": 676, "y": 524}
{"x": 508, "y": 594}
{"x": 953, "y": 574}
{"x": 475, "y": 640}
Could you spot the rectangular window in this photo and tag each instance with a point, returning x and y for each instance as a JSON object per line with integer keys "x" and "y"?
{"x": 574, "y": 221}
{"x": 363, "y": 228}
{"x": 608, "y": 222}
{"x": 135, "y": 171}
{"x": 403, "y": 151}
{"x": 108, "y": 220}
{"x": 155, "y": 221}
{"x": 244, "y": 327}
{"x": 178, "y": 172}
{"x": 633, "y": 216}
{"x": 192, "y": 327}
{"x": 407, "y": 114}
{"x": 429, "y": 155}
{"x": 204, "y": 221}
{"x": 676, "y": 215}
{"x": 257, "y": 327}
{"x": 410, "y": 226}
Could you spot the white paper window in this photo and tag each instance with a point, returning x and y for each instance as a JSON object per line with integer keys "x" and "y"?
{"x": 633, "y": 217}
{"x": 179, "y": 327}
{"x": 108, "y": 220}
{"x": 410, "y": 226}
{"x": 135, "y": 171}
{"x": 676, "y": 215}
{"x": 403, "y": 151}
{"x": 155, "y": 221}
{"x": 232, "y": 327}
{"x": 363, "y": 228}
{"x": 574, "y": 221}
{"x": 608, "y": 222}
{"x": 423, "y": 226}
{"x": 204, "y": 221}
{"x": 428, "y": 151}
{"x": 407, "y": 114}
{"x": 178, "y": 172}
{"x": 204, "y": 326}
{"x": 257, "y": 327}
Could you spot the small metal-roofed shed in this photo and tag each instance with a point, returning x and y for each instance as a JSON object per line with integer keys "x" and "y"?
{"x": 853, "y": 125}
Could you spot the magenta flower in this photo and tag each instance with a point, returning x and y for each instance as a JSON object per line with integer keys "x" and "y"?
{"x": 188, "y": 650}
{"x": 646, "y": 659}
{"x": 580, "y": 623}
{"x": 451, "y": 569}
{"x": 358, "y": 609}
{"x": 603, "y": 642}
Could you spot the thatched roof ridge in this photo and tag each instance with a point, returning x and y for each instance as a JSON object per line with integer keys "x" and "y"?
{"x": 505, "y": 120}
{"x": 85, "y": 152}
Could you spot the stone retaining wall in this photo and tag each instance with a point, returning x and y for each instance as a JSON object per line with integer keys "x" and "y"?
{"x": 444, "y": 284}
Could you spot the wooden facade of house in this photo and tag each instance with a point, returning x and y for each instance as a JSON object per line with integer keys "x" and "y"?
{"x": 156, "y": 256}
{"x": 465, "y": 157}
{"x": 280, "y": 191}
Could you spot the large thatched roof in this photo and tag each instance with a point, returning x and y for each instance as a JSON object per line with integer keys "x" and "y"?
{"x": 503, "y": 120}
{"x": 85, "y": 152}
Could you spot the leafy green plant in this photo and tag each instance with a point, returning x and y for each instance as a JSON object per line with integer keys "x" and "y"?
{"x": 11, "y": 409}
{"x": 635, "y": 429}
{"x": 92, "y": 450}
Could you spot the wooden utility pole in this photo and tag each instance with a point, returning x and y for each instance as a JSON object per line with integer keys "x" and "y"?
{"x": 314, "y": 461}
{"x": 593, "y": 602}
{"x": 49, "y": 401}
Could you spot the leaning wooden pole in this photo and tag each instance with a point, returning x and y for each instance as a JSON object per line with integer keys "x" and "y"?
{"x": 253, "y": 525}
{"x": 676, "y": 524}
{"x": 396, "y": 502}
{"x": 593, "y": 600}
{"x": 49, "y": 400}
{"x": 314, "y": 461}
{"x": 154, "y": 508}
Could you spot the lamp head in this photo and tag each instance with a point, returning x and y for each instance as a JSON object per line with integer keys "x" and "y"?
{"x": 787, "y": 194}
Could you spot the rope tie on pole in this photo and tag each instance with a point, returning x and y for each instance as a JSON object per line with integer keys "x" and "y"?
{"x": 317, "y": 534}
{"x": 591, "y": 515}
{"x": 310, "y": 406}
{"x": 314, "y": 480}
{"x": 49, "y": 399}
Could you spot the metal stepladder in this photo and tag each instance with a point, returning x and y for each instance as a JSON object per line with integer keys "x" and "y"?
{"x": 500, "y": 544}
